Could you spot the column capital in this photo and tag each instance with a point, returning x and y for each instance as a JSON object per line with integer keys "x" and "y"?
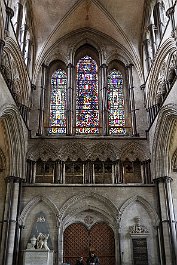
{"x": 2, "y": 43}
{"x": 103, "y": 65}
{"x": 33, "y": 87}
{"x": 70, "y": 65}
{"x": 151, "y": 26}
{"x": 44, "y": 65}
{"x": 146, "y": 41}
{"x": 9, "y": 11}
{"x": 142, "y": 87}
{"x": 164, "y": 179}
{"x": 130, "y": 65}
{"x": 170, "y": 11}
{"x": 14, "y": 179}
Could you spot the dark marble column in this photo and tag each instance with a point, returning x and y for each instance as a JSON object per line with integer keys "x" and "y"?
{"x": 118, "y": 178}
{"x": 132, "y": 100}
{"x": 42, "y": 101}
{"x": 9, "y": 243}
{"x": 2, "y": 44}
{"x": 69, "y": 101}
{"x": 146, "y": 43}
{"x": 168, "y": 239}
{"x": 170, "y": 14}
{"x": 152, "y": 36}
{"x": 104, "y": 99}
{"x": 9, "y": 15}
{"x": 19, "y": 19}
{"x": 58, "y": 172}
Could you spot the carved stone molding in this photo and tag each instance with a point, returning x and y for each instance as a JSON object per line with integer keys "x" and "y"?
{"x": 145, "y": 204}
{"x": 138, "y": 228}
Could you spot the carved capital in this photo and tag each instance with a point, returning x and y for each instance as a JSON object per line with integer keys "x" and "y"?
{"x": 9, "y": 12}
{"x": 164, "y": 179}
{"x": 13, "y": 179}
{"x": 129, "y": 65}
{"x": 103, "y": 65}
{"x": 142, "y": 87}
{"x": 70, "y": 65}
{"x": 170, "y": 11}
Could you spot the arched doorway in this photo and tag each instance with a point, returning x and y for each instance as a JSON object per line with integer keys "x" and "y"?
{"x": 78, "y": 240}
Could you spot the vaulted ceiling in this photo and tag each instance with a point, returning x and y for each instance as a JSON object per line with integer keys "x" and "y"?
{"x": 118, "y": 19}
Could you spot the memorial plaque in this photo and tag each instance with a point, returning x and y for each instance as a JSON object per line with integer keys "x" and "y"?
{"x": 140, "y": 254}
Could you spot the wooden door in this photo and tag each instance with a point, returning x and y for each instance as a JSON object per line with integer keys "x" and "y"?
{"x": 78, "y": 240}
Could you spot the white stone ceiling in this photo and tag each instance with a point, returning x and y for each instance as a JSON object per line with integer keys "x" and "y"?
{"x": 119, "y": 19}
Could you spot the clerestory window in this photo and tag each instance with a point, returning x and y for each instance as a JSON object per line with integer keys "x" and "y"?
{"x": 87, "y": 105}
{"x": 57, "y": 120}
{"x": 83, "y": 108}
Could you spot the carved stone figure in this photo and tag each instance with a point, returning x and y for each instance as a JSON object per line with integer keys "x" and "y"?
{"x": 42, "y": 241}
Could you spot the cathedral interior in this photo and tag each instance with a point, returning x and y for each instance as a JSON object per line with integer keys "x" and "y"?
{"x": 88, "y": 132}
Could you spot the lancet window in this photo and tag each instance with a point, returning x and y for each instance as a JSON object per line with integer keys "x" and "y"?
{"x": 87, "y": 105}
{"x": 116, "y": 108}
{"x": 57, "y": 121}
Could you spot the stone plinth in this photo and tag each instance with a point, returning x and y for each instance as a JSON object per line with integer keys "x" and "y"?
{"x": 37, "y": 257}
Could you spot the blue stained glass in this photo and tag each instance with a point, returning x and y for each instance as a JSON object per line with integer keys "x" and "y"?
{"x": 116, "y": 104}
{"x": 57, "y": 121}
{"x": 87, "y": 106}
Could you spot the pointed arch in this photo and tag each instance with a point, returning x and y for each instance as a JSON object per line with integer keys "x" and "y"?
{"x": 17, "y": 139}
{"x": 32, "y": 203}
{"x": 134, "y": 150}
{"x": 146, "y": 205}
{"x": 25, "y": 86}
{"x": 160, "y": 152}
{"x": 112, "y": 210}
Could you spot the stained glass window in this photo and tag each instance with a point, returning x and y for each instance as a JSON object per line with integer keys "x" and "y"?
{"x": 87, "y": 106}
{"x": 116, "y": 107}
{"x": 57, "y": 121}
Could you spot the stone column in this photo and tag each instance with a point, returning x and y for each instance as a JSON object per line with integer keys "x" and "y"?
{"x": 104, "y": 99}
{"x": 28, "y": 52}
{"x": 42, "y": 98}
{"x": 69, "y": 101}
{"x": 146, "y": 43}
{"x": 2, "y": 44}
{"x": 9, "y": 15}
{"x": 24, "y": 30}
{"x": 10, "y": 221}
{"x": 132, "y": 100}
{"x": 146, "y": 171}
{"x": 30, "y": 171}
{"x": 58, "y": 172}
{"x": 152, "y": 36}
{"x": 168, "y": 239}
{"x": 19, "y": 15}
{"x": 170, "y": 14}
{"x": 89, "y": 174}
{"x": 118, "y": 173}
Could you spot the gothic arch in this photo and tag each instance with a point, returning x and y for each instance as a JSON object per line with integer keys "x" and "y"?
{"x": 67, "y": 207}
{"x": 45, "y": 151}
{"x": 74, "y": 152}
{"x": 32, "y": 203}
{"x": 146, "y": 205}
{"x": 103, "y": 152}
{"x": 12, "y": 48}
{"x": 133, "y": 150}
{"x": 117, "y": 55}
{"x": 3, "y": 162}
{"x": 164, "y": 126}
{"x": 16, "y": 138}
{"x": 168, "y": 47}
{"x": 174, "y": 161}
